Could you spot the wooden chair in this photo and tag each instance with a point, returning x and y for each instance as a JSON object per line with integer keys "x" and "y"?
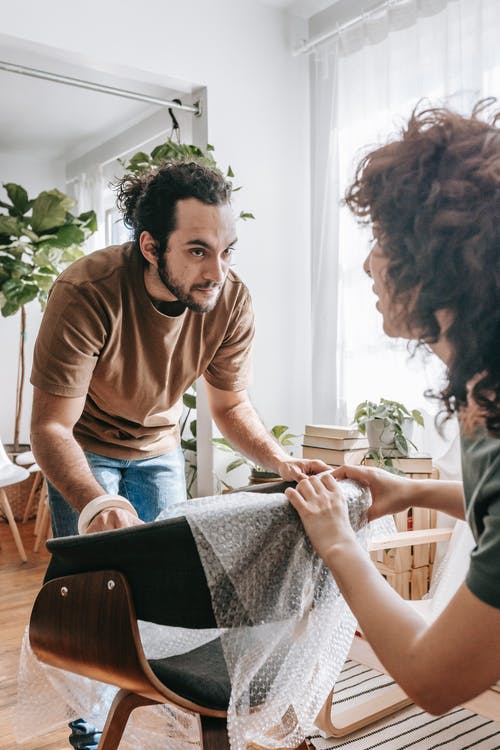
{"x": 84, "y": 620}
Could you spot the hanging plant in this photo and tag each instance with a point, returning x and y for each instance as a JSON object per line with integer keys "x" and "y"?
{"x": 38, "y": 238}
{"x": 172, "y": 149}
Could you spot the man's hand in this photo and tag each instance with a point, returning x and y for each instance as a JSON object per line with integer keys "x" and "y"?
{"x": 296, "y": 469}
{"x": 113, "y": 518}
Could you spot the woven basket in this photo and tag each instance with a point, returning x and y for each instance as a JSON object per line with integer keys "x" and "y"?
{"x": 18, "y": 495}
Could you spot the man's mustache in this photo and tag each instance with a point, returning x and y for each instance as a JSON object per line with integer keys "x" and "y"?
{"x": 208, "y": 285}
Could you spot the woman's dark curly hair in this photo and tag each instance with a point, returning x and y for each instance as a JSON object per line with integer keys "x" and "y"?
{"x": 148, "y": 200}
{"x": 434, "y": 195}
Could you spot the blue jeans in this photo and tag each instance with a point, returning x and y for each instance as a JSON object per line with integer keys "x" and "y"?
{"x": 151, "y": 485}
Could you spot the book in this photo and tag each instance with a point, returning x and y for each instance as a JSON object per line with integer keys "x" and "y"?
{"x": 332, "y": 430}
{"x": 318, "y": 441}
{"x": 418, "y": 464}
{"x": 334, "y": 457}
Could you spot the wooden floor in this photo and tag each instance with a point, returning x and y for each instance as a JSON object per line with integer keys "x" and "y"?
{"x": 19, "y": 584}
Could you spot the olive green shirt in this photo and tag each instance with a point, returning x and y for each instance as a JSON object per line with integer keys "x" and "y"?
{"x": 481, "y": 477}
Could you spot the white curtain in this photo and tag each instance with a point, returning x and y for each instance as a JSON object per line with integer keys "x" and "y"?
{"x": 88, "y": 191}
{"x": 365, "y": 82}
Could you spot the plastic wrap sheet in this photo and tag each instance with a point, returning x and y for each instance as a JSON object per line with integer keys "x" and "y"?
{"x": 284, "y": 628}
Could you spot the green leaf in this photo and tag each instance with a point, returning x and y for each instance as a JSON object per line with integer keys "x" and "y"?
{"x": 235, "y": 464}
{"x": 189, "y": 400}
{"x": 230, "y": 172}
{"x": 65, "y": 236}
{"x": 210, "y": 147}
{"x": 223, "y": 445}
{"x": 89, "y": 221}
{"x": 10, "y": 226}
{"x": 417, "y": 416}
{"x": 18, "y": 196}
{"x": 278, "y": 430}
{"x": 49, "y": 210}
{"x": 19, "y": 292}
{"x": 193, "y": 427}
{"x": 189, "y": 445}
{"x": 245, "y": 215}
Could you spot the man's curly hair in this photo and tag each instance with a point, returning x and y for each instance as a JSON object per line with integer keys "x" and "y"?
{"x": 434, "y": 195}
{"x": 148, "y": 200}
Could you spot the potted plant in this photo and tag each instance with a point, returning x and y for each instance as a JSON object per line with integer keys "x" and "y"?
{"x": 388, "y": 426}
{"x": 38, "y": 238}
{"x": 257, "y": 474}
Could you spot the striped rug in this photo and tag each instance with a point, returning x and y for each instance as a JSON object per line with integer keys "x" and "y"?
{"x": 408, "y": 728}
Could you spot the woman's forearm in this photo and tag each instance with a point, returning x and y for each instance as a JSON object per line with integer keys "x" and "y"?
{"x": 445, "y": 496}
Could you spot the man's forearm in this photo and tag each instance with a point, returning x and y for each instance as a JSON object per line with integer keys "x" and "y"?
{"x": 64, "y": 464}
{"x": 245, "y": 431}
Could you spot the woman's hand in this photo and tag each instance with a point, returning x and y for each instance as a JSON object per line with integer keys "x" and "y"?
{"x": 323, "y": 512}
{"x": 390, "y": 493}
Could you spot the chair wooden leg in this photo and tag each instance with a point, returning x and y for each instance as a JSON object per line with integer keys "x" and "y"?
{"x": 385, "y": 703}
{"x": 35, "y": 487}
{"x": 213, "y": 733}
{"x": 121, "y": 708}
{"x": 43, "y": 519}
{"x": 5, "y": 505}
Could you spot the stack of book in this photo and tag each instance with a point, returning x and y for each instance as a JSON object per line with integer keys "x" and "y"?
{"x": 418, "y": 463}
{"x": 334, "y": 444}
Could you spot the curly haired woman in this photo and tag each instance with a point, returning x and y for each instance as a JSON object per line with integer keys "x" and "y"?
{"x": 432, "y": 197}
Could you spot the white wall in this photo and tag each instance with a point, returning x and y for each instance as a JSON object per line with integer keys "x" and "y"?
{"x": 258, "y": 122}
{"x": 34, "y": 175}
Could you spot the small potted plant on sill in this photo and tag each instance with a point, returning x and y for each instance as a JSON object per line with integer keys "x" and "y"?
{"x": 258, "y": 475}
{"x": 388, "y": 426}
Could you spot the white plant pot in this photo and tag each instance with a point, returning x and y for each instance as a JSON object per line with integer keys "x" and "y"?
{"x": 382, "y": 437}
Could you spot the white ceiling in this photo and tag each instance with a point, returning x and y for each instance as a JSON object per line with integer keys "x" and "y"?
{"x": 302, "y": 8}
{"x": 40, "y": 122}
{"x": 55, "y": 121}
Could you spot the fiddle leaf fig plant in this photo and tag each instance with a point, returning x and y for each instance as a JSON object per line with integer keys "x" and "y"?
{"x": 39, "y": 237}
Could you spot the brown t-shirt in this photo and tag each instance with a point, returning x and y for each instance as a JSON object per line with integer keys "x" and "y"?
{"x": 101, "y": 336}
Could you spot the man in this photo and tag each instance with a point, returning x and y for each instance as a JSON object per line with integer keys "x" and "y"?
{"x": 126, "y": 331}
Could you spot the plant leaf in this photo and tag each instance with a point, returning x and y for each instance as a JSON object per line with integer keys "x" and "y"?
{"x": 50, "y": 209}
{"x": 18, "y": 196}
{"x": 234, "y": 464}
{"x": 189, "y": 400}
{"x": 417, "y": 416}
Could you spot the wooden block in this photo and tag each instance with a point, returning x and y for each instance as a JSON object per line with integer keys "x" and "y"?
{"x": 421, "y": 520}
{"x": 400, "y": 582}
{"x": 419, "y": 582}
{"x": 401, "y": 520}
{"x": 398, "y": 559}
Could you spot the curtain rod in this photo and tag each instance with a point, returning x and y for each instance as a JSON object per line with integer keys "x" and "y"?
{"x": 306, "y": 47}
{"x": 79, "y": 83}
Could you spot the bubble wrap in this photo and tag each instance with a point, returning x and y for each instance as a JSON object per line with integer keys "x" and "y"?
{"x": 284, "y": 628}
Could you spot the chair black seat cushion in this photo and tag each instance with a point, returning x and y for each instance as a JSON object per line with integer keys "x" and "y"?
{"x": 199, "y": 675}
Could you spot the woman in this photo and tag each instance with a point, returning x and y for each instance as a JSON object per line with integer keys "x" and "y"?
{"x": 433, "y": 199}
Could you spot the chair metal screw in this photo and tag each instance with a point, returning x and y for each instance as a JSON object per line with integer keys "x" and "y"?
{"x": 64, "y": 591}
{"x": 111, "y": 585}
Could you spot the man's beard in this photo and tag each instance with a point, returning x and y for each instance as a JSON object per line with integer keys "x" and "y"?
{"x": 185, "y": 296}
